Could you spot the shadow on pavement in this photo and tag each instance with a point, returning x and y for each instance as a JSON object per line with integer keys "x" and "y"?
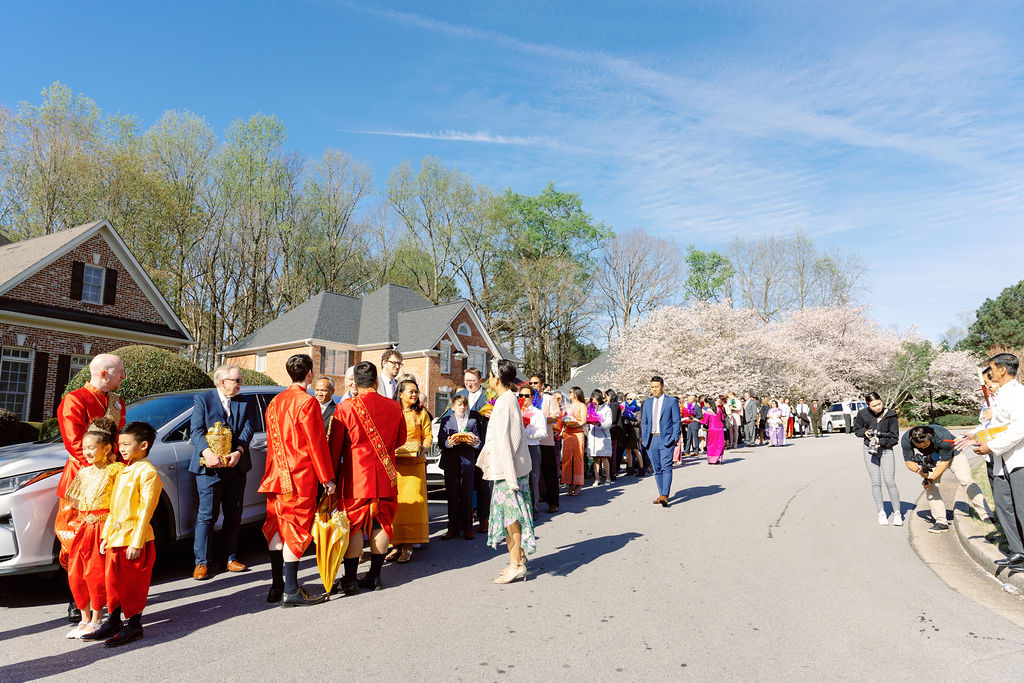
{"x": 568, "y": 558}
{"x": 694, "y": 492}
{"x": 161, "y": 626}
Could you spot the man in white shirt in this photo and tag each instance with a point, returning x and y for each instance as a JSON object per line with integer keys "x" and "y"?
{"x": 801, "y": 423}
{"x": 1004, "y": 448}
{"x": 390, "y": 366}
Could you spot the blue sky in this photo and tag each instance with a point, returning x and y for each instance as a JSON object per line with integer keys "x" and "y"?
{"x": 890, "y": 128}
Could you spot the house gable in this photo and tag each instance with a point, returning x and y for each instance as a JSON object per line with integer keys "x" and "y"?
{"x": 56, "y": 285}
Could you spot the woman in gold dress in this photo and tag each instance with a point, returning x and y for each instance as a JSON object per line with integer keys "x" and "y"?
{"x": 411, "y": 523}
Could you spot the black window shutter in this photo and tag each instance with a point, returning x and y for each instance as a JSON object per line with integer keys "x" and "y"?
{"x": 77, "y": 275}
{"x": 63, "y": 368}
{"x": 35, "y": 402}
{"x": 109, "y": 287}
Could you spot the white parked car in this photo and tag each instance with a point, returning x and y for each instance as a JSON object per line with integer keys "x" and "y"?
{"x": 832, "y": 419}
{"x": 29, "y": 474}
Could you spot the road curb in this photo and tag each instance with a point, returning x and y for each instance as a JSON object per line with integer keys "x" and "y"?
{"x": 971, "y": 534}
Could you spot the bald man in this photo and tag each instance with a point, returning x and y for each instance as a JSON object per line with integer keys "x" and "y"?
{"x": 75, "y": 412}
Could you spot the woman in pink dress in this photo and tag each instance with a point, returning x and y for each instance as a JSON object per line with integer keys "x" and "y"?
{"x": 713, "y": 419}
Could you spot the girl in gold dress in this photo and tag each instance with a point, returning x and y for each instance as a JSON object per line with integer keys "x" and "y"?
{"x": 411, "y": 522}
{"x": 89, "y": 494}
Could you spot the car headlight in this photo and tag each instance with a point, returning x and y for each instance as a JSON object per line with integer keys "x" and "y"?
{"x": 20, "y": 481}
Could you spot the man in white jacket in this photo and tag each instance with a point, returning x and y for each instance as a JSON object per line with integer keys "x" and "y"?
{"x": 1004, "y": 448}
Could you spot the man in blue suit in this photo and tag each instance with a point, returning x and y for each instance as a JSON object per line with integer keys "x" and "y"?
{"x": 659, "y": 430}
{"x": 221, "y": 486}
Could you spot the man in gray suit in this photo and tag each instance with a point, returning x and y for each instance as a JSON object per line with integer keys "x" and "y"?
{"x": 750, "y": 407}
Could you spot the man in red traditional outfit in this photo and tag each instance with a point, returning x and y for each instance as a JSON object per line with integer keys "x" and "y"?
{"x": 297, "y": 459}
{"x": 370, "y": 427}
{"x": 76, "y": 410}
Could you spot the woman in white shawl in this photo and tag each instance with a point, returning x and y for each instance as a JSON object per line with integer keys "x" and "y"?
{"x": 505, "y": 460}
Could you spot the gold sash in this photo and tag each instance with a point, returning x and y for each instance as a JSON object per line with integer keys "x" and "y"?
{"x": 376, "y": 440}
{"x": 284, "y": 475}
{"x": 115, "y": 407}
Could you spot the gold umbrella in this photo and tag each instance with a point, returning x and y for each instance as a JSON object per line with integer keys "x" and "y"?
{"x": 331, "y": 534}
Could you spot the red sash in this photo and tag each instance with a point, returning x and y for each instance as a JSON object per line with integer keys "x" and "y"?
{"x": 376, "y": 440}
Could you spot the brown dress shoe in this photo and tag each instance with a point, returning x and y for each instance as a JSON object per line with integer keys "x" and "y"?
{"x": 201, "y": 573}
{"x": 452, "y": 533}
{"x": 469, "y": 535}
{"x": 235, "y": 566}
{"x": 663, "y": 500}
{"x": 657, "y": 501}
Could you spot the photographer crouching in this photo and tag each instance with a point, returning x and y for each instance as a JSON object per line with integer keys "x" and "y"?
{"x": 928, "y": 451}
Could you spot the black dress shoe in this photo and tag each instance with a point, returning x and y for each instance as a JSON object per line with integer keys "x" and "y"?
{"x": 350, "y": 587}
{"x": 109, "y": 627}
{"x": 275, "y": 594}
{"x": 1015, "y": 558}
{"x": 371, "y": 584}
{"x": 300, "y": 598}
{"x": 74, "y": 614}
{"x": 126, "y": 635}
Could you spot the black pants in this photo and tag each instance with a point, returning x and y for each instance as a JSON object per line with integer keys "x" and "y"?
{"x": 549, "y": 471}
{"x": 1008, "y": 494}
{"x": 459, "y": 484}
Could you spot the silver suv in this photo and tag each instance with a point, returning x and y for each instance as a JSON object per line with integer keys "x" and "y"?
{"x": 29, "y": 475}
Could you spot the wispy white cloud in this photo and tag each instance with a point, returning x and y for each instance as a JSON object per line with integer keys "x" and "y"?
{"x": 460, "y": 136}
{"x": 894, "y": 121}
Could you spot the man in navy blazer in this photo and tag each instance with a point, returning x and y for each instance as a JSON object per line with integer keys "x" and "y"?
{"x": 220, "y": 487}
{"x": 659, "y": 430}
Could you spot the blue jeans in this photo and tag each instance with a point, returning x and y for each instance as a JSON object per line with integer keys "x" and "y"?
{"x": 661, "y": 461}
{"x": 217, "y": 492}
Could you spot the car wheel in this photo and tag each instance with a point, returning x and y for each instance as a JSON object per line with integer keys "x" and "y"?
{"x": 828, "y": 427}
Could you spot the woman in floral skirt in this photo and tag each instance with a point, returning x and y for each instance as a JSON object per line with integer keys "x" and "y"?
{"x": 505, "y": 460}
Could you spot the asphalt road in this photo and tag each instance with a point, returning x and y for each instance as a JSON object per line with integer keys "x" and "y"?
{"x": 770, "y": 567}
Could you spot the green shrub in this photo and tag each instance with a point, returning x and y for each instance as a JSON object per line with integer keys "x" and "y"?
{"x": 254, "y": 378}
{"x": 12, "y": 430}
{"x": 151, "y": 371}
{"x": 956, "y": 420}
{"x": 48, "y": 429}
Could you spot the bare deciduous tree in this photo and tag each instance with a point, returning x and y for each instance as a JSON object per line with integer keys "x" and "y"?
{"x": 638, "y": 273}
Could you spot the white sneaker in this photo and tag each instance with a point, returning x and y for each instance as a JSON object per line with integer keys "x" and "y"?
{"x": 883, "y": 519}
{"x": 897, "y": 519}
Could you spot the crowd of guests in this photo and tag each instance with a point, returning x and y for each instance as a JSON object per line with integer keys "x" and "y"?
{"x": 505, "y": 446}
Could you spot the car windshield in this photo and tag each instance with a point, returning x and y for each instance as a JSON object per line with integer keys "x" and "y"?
{"x": 157, "y": 410}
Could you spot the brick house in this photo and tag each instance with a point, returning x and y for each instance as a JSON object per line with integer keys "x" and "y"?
{"x": 64, "y": 298}
{"x": 438, "y": 343}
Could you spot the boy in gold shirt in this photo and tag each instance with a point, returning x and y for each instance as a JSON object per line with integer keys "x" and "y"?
{"x": 128, "y": 537}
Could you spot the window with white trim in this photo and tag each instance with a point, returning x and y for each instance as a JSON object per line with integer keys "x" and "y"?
{"x": 15, "y": 380}
{"x": 75, "y": 364}
{"x": 463, "y": 330}
{"x": 477, "y": 359}
{"x": 333, "y": 362}
{"x": 446, "y": 358}
{"x": 261, "y": 361}
{"x": 92, "y": 284}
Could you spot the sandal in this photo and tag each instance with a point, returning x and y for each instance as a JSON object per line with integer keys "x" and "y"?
{"x": 506, "y": 577}
{"x": 405, "y": 555}
{"x": 392, "y": 554}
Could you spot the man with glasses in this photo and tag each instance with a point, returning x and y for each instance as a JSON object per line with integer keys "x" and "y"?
{"x": 545, "y": 402}
{"x": 1001, "y": 441}
{"x": 220, "y": 482}
{"x": 390, "y": 365}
